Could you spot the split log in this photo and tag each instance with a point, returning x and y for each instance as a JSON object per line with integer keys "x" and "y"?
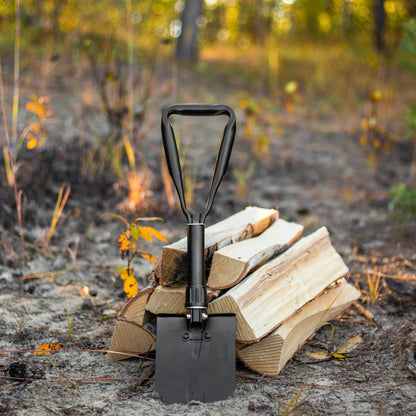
{"x": 167, "y": 299}
{"x": 232, "y": 263}
{"x": 129, "y": 340}
{"x": 171, "y": 267}
{"x": 268, "y": 356}
{"x": 134, "y": 333}
{"x": 276, "y": 290}
{"x": 135, "y": 308}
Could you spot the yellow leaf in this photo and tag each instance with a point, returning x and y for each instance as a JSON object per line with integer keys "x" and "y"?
{"x": 149, "y": 257}
{"x": 46, "y": 349}
{"x": 376, "y": 96}
{"x": 364, "y": 140}
{"x": 376, "y": 144}
{"x": 130, "y": 286}
{"x": 31, "y": 144}
{"x": 351, "y": 344}
{"x": 125, "y": 243}
{"x": 319, "y": 356}
{"x": 148, "y": 232}
{"x": 35, "y": 127}
{"x": 126, "y": 273}
{"x": 30, "y": 106}
{"x": 339, "y": 356}
{"x": 291, "y": 87}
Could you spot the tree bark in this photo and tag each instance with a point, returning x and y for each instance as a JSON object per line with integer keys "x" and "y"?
{"x": 379, "y": 25}
{"x": 187, "y": 45}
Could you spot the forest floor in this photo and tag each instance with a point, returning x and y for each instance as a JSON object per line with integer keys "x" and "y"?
{"x": 320, "y": 175}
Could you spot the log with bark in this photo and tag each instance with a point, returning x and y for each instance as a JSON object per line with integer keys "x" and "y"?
{"x": 134, "y": 333}
{"x": 171, "y": 267}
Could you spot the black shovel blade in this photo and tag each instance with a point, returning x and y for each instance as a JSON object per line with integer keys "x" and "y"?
{"x": 198, "y": 364}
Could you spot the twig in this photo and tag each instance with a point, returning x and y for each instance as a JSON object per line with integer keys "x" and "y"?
{"x": 32, "y": 246}
{"x": 367, "y": 314}
{"x": 10, "y": 159}
{"x": 59, "y": 206}
{"x": 44, "y": 274}
{"x": 80, "y": 350}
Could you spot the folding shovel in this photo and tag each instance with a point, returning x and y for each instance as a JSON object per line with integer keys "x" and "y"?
{"x": 195, "y": 353}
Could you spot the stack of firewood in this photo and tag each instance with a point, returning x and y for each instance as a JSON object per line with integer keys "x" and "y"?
{"x": 280, "y": 286}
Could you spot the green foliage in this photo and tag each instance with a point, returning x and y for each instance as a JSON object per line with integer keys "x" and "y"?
{"x": 411, "y": 122}
{"x": 403, "y": 202}
{"x": 407, "y": 57}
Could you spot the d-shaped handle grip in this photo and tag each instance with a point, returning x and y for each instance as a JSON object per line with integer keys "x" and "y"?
{"x": 223, "y": 156}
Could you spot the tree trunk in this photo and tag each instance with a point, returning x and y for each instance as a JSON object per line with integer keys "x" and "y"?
{"x": 187, "y": 45}
{"x": 379, "y": 24}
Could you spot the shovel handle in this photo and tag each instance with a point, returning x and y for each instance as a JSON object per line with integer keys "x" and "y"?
{"x": 172, "y": 157}
{"x": 196, "y": 294}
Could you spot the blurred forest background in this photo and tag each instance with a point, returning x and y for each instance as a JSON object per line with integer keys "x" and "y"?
{"x": 353, "y": 61}
{"x": 325, "y": 97}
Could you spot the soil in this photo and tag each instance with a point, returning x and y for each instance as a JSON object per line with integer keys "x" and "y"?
{"x": 320, "y": 175}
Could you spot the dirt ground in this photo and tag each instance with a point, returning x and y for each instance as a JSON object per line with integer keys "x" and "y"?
{"x": 319, "y": 173}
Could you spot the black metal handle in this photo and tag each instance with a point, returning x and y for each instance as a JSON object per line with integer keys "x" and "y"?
{"x": 172, "y": 157}
{"x": 196, "y": 295}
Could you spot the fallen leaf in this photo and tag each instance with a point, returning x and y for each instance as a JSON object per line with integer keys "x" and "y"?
{"x": 84, "y": 291}
{"x": 320, "y": 355}
{"x": 46, "y": 349}
{"x": 351, "y": 344}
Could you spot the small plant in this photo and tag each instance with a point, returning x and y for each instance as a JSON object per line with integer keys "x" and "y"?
{"x": 129, "y": 249}
{"x": 173, "y": 202}
{"x": 36, "y": 132}
{"x": 242, "y": 177}
{"x": 294, "y": 403}
{"x": 290, "y": 96}
{"x": 373, "y": 279}
{"x": 260, "y": 125}
{"x": 403, "y": 202}
{"x": 374, "y": 137}
{"x": 408, "y": 47}
{"x": 68, "y": 320}
{"x": 57, "y": 212}
{"x": 411, "y": 122}
{"x": 139, "y": 191}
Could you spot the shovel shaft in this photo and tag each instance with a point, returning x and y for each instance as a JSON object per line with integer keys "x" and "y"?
{"x": 196, "y": 295}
